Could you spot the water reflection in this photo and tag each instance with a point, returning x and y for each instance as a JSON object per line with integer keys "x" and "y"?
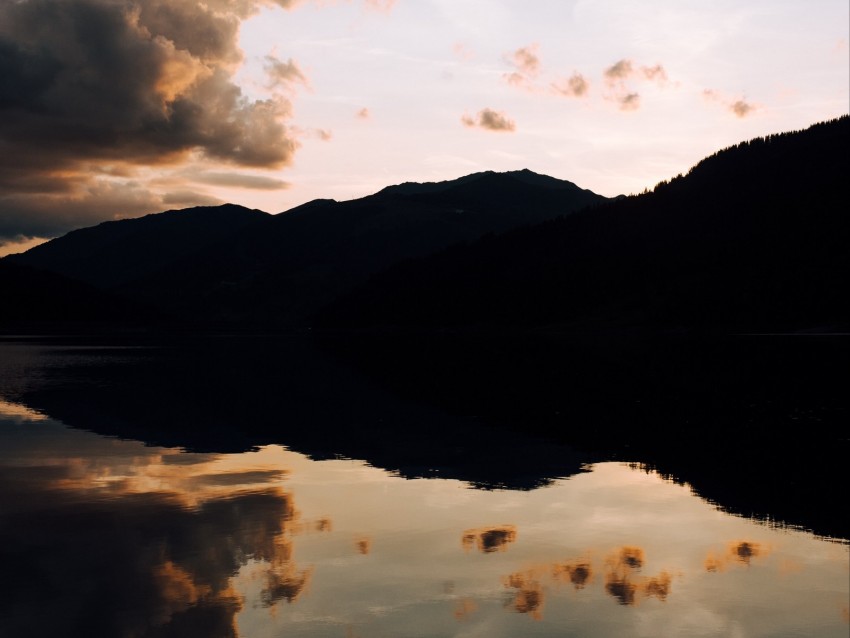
{"x": 623, "y": 580}
{"x": 489, "y": 539}
{"x": 119, "y": 539}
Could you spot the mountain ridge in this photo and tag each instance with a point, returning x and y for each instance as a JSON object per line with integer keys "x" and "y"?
{"x": 274, "y": 270}
{"x": 751, "y": 238}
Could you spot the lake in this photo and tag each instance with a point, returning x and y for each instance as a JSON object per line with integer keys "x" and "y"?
{"x": 252, "y": 487}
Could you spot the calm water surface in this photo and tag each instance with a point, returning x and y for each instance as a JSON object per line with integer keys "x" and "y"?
{"x": 101, "y": 536}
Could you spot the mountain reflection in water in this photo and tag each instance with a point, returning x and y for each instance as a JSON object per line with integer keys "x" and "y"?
{"x": 103, "y": 537}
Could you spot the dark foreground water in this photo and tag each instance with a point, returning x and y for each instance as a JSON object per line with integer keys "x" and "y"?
{"x": 238, "y": 487}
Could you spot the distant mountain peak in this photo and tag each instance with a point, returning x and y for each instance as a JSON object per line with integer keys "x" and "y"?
{"x": 524, "y": 175}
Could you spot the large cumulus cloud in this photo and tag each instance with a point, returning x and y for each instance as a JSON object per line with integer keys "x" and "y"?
{"x": 90, "y": 90}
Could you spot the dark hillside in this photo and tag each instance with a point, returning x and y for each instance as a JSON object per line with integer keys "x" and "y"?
{"x": 112, "y": 253}
{"x": 35, "y": 301}
{"x": 753, "y": 238}
{"x": 278, "y": 272}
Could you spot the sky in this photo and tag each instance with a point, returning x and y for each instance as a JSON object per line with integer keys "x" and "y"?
{"x": 118, "y": 108}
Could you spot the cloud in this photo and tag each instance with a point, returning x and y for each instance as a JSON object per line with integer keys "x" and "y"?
{"x": 363, "y": 114}
{"x": 94, "y": 88}
{"x": 186, "y": 198}
{"x": 654, "y": 73}
{"x": 25, "y": 215}
{"x": 284, "y": 74}
{"x": 526, "y": 60}
{"x": 741, "y": 108}
{"x": 738, "y": 107}
{"x": 324, "y": 134}
{"x": 629, "y": 102}
{"x": 489, "y": 120}
{"x": 624, "y": 69}
{"x": 574, "y": 86}
{"x": 526, "y": 65}
{"x": 618, "y": 76}
{"x": 239, "y": 180}
{"x": 619, "y": 71}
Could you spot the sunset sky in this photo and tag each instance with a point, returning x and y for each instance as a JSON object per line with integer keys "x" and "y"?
{"x": 118, "y": 108}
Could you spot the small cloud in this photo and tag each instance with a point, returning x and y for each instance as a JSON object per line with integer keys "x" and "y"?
{"x": 189, "y": 198}
{"x": 516, "y": 79}
{"x": 617, "y": 76}
{"x": 526, "y": 60}
{"x": 741, "y": 108}
{"x": 619, "y": 71}
{"x": 574, "y": 86}
{"x": 654, "y": 73}
{"x": 526, "y": 65}
{"x": 738, "y": 107}
{"x": 363, "y": 114}
{"x": 629, "y": 102}
{"x": 239, "y": 180}
{"x": 324, "y": 134}
{"x": 489, "y": 120}
{"x": 284, "y": 74}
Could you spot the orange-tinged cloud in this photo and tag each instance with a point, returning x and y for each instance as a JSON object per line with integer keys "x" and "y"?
{"x": 618, "y": 79}
{"x": 526, "y": 67}
{"x": 629, "y": 102}
{"x": 655, "y": 73}
{"x": 490, "y": 120}
{"x": 99, "y": 84}
{"x": 619, "y": 71}
{"x": 739, "y": 107}
{"x": 526, "y": 60}
{"x": 284, "y": 74}
{"x": 238, "y": 180}
{"x": 574, "y": 86}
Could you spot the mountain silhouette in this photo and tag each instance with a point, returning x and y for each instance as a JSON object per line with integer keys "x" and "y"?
{"x": 239, "y": 266}
{"x": 44, "y": 301}
{"x": 753, "y": 238}
{"x": 115, "y": 252}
